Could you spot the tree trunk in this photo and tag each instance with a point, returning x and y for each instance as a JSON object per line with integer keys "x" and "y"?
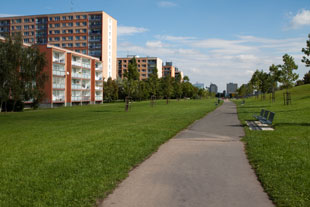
{"x": 1, "y": 106}
{"x": 167, "y": 101}
{"x": 126, "y": 104}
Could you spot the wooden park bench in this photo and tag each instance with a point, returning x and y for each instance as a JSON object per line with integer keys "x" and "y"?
{"x": 265, "y": 119}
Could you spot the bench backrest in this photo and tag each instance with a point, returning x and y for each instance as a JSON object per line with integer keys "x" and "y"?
{"x": 271, "y": 116}
{"x": 266, "y": 114}
{"x": 262, "y": 112}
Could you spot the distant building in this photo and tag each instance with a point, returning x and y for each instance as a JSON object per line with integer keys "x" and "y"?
{"x": 168, "y": 70}
{"x": 213, "y": 88}
{"x": 146, "y": 65}
{"x": 231, "y": 88}
{"x": 199, "y": 85}
{"x": 178, "y": 72}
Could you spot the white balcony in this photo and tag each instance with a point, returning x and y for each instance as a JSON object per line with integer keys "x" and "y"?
{"x": 98, "y": 98}
{"x": 99, "y": 78}
{"x": 76, "y": 75}
{"x": 76, "y": 98}
{"x": 76, "y": 63}
{"x": 60, "y": 73}
{"x": 58, "y": 60}
{"x": 86, "y": 98}
{"x": 59, "y": 85}
{"x": 58, "y": 98}
{"x": 76, "y": 86}
{"x": 85, "y": 65}
{"x": 86, "y": 76}
{"x": 99, "y": 68}
{"x": 86, "y": 87}
{"x": 98, "y": 87}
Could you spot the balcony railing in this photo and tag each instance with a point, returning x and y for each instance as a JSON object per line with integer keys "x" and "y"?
{"x": 85, "y": 65}
{"x": 98, "y": 87}
{"x": 86, "y": 98}
{"x": 98, "y": 78}
{"x": 76, "y": 86}
{"x": 99, "y": 68}
{"x": 86, "y": 76}
{"x": 85, "y": 87}
{"x": 75, "y": 63}
{"x": 76, "y": 75}
{"x": 58, "y": 60}
{"x": 76, "y": 98}
{"x": 59, "y": 98}
{"x": 60, "y": 73}
{"x": 98, "y": 98}
{"x": 58, "y": 85}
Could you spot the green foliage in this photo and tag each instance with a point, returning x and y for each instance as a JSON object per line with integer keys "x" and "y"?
{"x": 281, "y": 158}
{"x": 306, "y": 51}
{"x": 306, "y": 79}
{"x": 21, "y": 72}
{"x": 288, "y": 76}
{"x": 110, "y": 90}
{"x": 166, "y": 87}
{"x": 68, "y": 157}
{"x": 132, "y": 73}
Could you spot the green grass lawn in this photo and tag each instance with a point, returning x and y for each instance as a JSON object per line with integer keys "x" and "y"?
{"x": 75, "y": 156}
{"x": 281, "y": 158}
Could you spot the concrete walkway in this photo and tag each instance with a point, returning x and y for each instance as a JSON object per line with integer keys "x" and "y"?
{"x": 204, "y": 165}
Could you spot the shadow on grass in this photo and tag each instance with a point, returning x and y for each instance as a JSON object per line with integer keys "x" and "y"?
{"x": 107, "y": 111}
{"x": 292, "y": 124}
{"x": 237, "y": 125}
{"x": 251, "y": 107}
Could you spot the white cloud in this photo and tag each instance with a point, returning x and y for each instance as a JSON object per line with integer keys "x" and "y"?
{"x": 154, "y": 44}
{"x": 126, "y": 30}
{"x": 166, "y": 4}
{"x": 219, "y": 60}
{"x": 302, "y": 18}
{"x": 8, "y": 15}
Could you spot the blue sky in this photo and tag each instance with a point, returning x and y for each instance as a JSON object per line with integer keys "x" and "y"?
{"x": 210, "y": 41}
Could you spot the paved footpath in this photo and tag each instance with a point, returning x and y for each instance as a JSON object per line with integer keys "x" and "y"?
{"x": 203, "y": 166}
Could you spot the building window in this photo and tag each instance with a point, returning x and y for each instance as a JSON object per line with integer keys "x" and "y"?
{"x": 77, "y": 17}
{"x": 77, "y": 44}
{"x": 26, "y": 27}
{"x": 57, "y": 38}
{"x": 57, "y": 45}
{"x": 18, "y": 21}
{"x": 63, "y": 45}
{"x": 84, "y": 44}
{"x": 32, "y": 26}
{"x": 70, "y": 17}
{"x": 84, "y": 16}
{"x": 64, "y": 18}
{"x": 77, "y": 24}
{"x": 84, "y": 23}
{"x": 84, "y": 30}
{"x": 64, "y": 31}
{"x": 70, "y": 31}
{"x": 63, "y": 24}
{"x": 57, "y": 25}
{"x": 50, "y": 25}
{"x": 57, "y": 18}
{"x": 84, "y": 51}
{"x": 26, "y": 20}
{"x": 77, "y": 38}
{"x": 70, "y": 38}
{"x": 77, "y": 50}
{"x": 56, "y": 31}
{"x": 51, "y": 18}
{"x": 26, "y": 40}
{"x": 18, "y": 27}
{"x": 64, "y": 38}
{"x": 77, "y": 31}
{"x": 84, "y": 37}
{"x": 70, "y": 24}
{"x": 26, "y": 33}
{"x": 70, "y": 45}
{"x": 50, "y": 39}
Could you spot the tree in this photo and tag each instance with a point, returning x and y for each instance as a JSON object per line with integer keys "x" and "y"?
{"x": 177, "y": 87}
{"x": 131, "y": 78}
{"x": 288, "y": 77}
{"x": 275, "y": 75}
{"x": 306, "y": 79}
{"x": 21, "y": 72}
{"x": 110, "y": 90}
{"x": 255, "y": 82}
{"x": 167, "y": 88}
{"x": 306, "y": 51}
{"x": 153, "y": 82}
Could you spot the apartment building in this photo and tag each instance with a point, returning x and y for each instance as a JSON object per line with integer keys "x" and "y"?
{"x": 178, "y": 72}
{"x": 231, "y": 88}
{"x": 213, "y": 88}
{"x": 74, "y": 78}
{"x": 89, "y": 33}
{"x": 145, "y": 66}
{"x": 168, "y": 70}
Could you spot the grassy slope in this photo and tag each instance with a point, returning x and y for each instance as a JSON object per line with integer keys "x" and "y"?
{"x": 73, "y": 156}
{"x": 281, "y": 158}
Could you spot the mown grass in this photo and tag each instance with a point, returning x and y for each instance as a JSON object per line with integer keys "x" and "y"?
{"x": 75, "y": 156}
{"x": 281, "y": 158}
